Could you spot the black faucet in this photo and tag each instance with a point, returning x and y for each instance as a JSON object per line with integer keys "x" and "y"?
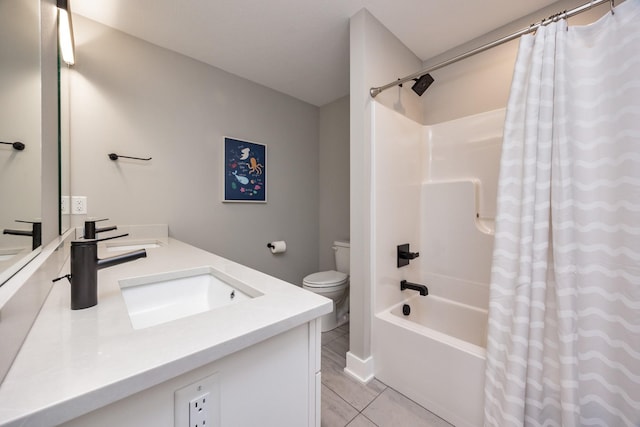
{"x": 84, "y": 270}
{"x": 90, "y": 229}
{"x": 35, "y": 233}
{"x": 408, "y": 285}
{"x": 404, "y": 255}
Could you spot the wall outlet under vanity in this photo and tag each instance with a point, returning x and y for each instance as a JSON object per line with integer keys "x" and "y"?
{"x": 199, "y": 415}
{"x": 198, "y": 404}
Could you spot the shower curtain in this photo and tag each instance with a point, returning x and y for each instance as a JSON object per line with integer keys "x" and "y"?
{"x": 564, "y": 320}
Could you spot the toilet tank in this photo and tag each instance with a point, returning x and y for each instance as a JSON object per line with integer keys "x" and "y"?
{"x": 341, "y": 253}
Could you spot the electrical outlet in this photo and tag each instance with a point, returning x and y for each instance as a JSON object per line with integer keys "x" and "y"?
{"x": 65, "y": 201}
{"x": 198, "y": 404}
{"x": 199, "y": 411}
{"x": 78, "y": 205}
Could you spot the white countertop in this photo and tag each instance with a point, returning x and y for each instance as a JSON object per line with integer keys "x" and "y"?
{"x": 73, "y": 362}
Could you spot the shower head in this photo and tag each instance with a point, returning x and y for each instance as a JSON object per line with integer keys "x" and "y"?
{"x": 422, "y": 84}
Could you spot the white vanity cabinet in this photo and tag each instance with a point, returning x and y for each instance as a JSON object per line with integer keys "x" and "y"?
{"x": 259, "y": 358}
{"x": 272, "y": 383}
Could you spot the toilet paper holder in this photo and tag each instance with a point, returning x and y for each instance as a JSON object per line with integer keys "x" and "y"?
{"x": 277, "y": 247}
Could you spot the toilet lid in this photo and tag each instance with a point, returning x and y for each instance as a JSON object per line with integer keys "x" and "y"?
{"x": 325, "y": 278}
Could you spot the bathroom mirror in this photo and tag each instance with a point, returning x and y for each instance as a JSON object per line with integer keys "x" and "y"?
{"x": 64, "y": 143}
{"x": 20, "y": 122}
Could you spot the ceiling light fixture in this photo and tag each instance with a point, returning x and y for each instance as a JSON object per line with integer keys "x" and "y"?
{"x": 65, "y": 32}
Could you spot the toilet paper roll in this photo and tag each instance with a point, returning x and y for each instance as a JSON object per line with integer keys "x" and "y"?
{"x": 278, "y": 247}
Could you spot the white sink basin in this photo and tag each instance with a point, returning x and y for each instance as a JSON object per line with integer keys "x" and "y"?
{"x": 132, "y": 246}
{"x": 161, "y": 298}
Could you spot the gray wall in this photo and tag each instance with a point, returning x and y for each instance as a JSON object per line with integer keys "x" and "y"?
{"x": 136, "y": 99}
{"x": 49, "y": 173}
{"x": 482, "y": 82}
{"x": 334, "y": 178}
{"x": 21, "y": 307}
{"x": 21, "y": 92}
{"x": 377, "y": 57}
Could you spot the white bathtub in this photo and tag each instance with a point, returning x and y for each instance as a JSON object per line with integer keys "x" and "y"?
{"x": 435, "y": 356}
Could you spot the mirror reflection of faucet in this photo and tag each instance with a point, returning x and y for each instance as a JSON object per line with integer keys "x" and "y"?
{"x": 90, "y": 229}
{"x": 35, "y": 233}
{"x": 84, "y": 269}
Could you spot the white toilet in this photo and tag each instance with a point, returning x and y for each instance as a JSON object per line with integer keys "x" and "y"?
{"x": 334, "y": 285}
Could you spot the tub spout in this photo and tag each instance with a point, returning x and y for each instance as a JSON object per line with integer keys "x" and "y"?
{"x": 414, "y": 286}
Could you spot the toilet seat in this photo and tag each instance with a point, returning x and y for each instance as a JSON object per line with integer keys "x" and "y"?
{"x": 325, "y": 279}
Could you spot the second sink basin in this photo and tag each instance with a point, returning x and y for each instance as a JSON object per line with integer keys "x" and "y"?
{"x": 132, "y": 245}
{"x": 156, "y": 299}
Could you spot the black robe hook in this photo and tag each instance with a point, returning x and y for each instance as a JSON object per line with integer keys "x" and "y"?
{"x": 114, "y": 156}
{"x": 16, "y": 145}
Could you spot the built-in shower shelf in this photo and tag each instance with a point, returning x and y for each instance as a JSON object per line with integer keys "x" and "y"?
{"x": 486, "y": 225}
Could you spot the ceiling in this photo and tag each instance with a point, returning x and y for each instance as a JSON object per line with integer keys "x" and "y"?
{"x": 298, "y": 47}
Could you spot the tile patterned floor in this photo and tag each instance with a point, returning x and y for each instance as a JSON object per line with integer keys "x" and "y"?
{"x": 349, "y": 403}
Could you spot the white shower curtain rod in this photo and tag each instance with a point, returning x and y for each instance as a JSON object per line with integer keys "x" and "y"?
{"x": 533, "y": 27}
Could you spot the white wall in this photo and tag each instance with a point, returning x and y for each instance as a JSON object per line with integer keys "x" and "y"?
{"x": 435, "y": 188}
{"x": 333, "y": 155}
{"x": 376, "y": 57}
{"x": 400, "y": 157}
{"x": 136, "y": 99}
{"x": 458, "y": 206}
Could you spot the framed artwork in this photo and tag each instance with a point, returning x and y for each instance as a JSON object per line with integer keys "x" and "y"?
{"x": 245, "y": 171}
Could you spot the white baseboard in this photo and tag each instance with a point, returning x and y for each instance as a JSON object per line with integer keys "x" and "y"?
{"x": 361, "y": 370}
